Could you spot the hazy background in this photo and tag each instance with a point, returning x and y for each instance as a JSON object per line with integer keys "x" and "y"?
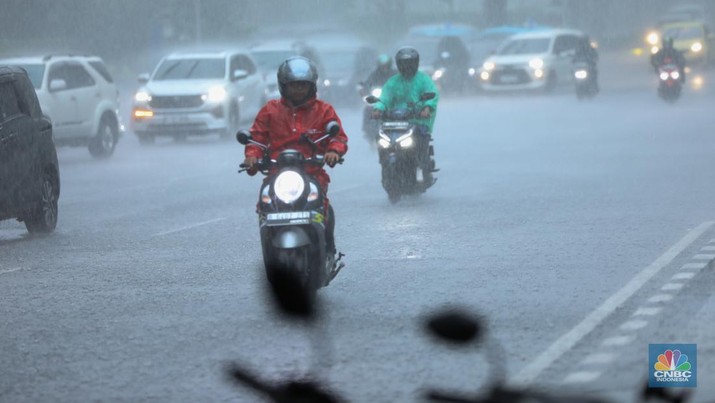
{"x": 131, "y": 35}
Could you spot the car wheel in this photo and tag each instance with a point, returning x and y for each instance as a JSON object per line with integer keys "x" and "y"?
{"x": 42, "y": 218}
{"x": 102, "y": 145}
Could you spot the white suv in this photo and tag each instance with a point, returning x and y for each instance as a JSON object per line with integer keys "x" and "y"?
{"x": 79, "y": 96}
{"x": 198, "y": 94}
{"x": 535, "y": 60}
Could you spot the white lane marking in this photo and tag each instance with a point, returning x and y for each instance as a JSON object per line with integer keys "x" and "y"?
{"x": 672, "y": 287}
{"x": 647, "y": 311}
{"x": 582, "y": 377}
{"x": 660, "y": 298}
{"x": 683, "y": 276}
{"x": 633, "y": 325}
{"x": 569, "y": 340}
{"x": 10, "y": 270}
{"x": 710, "y": 248}
{"x": 704, "y": 256}
{"x": 693, "y": 266}
{"x": 599, "y": 358}
{"x": 617, "y": 341}
{"x": 189, "y": 226}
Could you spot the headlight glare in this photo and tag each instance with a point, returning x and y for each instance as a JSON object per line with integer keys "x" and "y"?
{"x": 289, "y": 185}
{"x": 142, "y": 96}
{"x": 488, "y": 66}
{"x": 215, "y": 94}
{"x": 377, "y": 92}
{"x": 536, "y": 63}
{"x": 314, "y": 193}
{"x": 696, "y": 47}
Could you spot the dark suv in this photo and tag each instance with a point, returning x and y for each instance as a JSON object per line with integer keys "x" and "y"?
{"x": 29, "y": 172}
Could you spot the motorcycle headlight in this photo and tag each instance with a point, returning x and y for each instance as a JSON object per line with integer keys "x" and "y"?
{"x": 663, "y": 75}
{"x": 314, "y": 192}
{"x": 289, "y": 185}
{"x": 142, "y": 96}
{"x": 383, "y": 141}
{"x": 216, "y": 94}
{"x": 376, "y": 92}
{"x": 675, "y": 75}
{"x": 406, "y": 140}
{"x": 581, "y": 74}
{"x": 696, "y": 47}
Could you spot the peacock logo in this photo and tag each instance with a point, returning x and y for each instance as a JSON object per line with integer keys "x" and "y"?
{"x": 673, "y": 365}
{"x": 672, "y": 360}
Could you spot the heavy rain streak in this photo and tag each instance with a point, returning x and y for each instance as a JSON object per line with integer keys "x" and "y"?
{"x": 357, "y": 200}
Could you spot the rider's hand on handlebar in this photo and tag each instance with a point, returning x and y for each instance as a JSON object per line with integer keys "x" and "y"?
{"x": 425, "y": 112}
{"x": 250, "y": 163}
{"x": 331, "y": 158}
{"x": 376, "y": 114}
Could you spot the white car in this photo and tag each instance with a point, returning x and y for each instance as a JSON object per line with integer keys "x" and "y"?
{"x": 531, "y": 61}
{"x": 79, "y": 96}
{"x": 198, "y": 94}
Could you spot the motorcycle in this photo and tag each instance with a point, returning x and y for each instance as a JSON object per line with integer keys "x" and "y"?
{"x": 370, "y": 127}
{"x": 585, "y": 80}
{"x": 399, "y": 147}
{"x": 292, "y": 213}
{"x": 670, "y": 85}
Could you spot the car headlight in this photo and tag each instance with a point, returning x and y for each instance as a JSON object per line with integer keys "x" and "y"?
{"x": 484, "y": 75}
{"x": 652, "y": 38}
{"x": 653, "y": 49}
{"x": 536, "y": 63}
{"x": 142, "y": 96}
{"x": 581, "y": 74}
{"x": 437, "y": 74}
{"x": 488, "y": 66}
{"x": 216, "y": 94}
{"x": 376, "y": 92}
{"x": 326, "y": 83}
{"x": 472, "y": 71}
{"x": 289, "y": 185}
{"x": 696, "y": 47}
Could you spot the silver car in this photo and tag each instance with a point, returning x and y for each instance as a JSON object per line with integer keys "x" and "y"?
{"x": 198, "y": 94}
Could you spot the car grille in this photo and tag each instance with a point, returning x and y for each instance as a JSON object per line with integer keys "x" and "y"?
{"x": 176, "y": 101}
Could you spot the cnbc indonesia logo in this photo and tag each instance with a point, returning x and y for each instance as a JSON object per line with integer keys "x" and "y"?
{"x": 673, "y": 367}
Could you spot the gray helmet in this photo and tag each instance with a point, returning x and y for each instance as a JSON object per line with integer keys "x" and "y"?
{"x": 407, "y": 60}
{"x": 297, "y": 68}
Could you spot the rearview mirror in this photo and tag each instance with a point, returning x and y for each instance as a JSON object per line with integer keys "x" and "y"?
{"x": 427, "y": 96}
{"x": 143, "y": 78}
{"x": 332, "y": 128}
{"x": 58, "y": 84}
{"x": 243, "y": 137}
{"x": 239, "y": 74}
{"x": 371, "y": 99}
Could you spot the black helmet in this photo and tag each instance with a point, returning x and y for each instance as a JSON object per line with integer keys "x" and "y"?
{"x": 407, "y": 60}
{"x": 297, "y": 68}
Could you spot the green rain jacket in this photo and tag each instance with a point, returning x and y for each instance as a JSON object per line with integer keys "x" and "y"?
{"x": 398, "y": 91}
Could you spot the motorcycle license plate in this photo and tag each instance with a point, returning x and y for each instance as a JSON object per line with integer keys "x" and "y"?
{"x": 289, "y": 218}
{"x": 396, "y": 125}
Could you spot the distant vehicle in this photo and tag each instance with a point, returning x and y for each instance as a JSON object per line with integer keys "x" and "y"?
{"x": 693, "y": 39}
{"x": 269, "y": 55}
{"x": 486, "y": 43}
{"x": 198, "y": 94}
{"x": 539, "y": 60}
{"x": 345, "y": 64}
{"x": 427, "y": 38}
{"x": 79, "y": 96}
{"x": 29, "y": 171}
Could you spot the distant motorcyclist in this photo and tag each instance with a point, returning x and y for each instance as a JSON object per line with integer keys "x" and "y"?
{"x": 586, "y": 53}
{"x": 406, "y": 88}
{"x": 667, "y": 55}
{"x": 453, "y": 56}
{"x": 377, "y": 78}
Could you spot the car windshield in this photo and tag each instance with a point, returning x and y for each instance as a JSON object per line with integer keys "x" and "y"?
{"x": 683, "y": 33}
{"x": 190, "y": 69}
{"x": 270, "y": 59}
{"x": 35, "y": 72}
{"x": 525, "y": 46}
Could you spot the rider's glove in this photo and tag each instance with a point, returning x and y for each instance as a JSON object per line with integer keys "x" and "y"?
{"x": 376, "y": 113}
{"x": 331, "y": 158}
